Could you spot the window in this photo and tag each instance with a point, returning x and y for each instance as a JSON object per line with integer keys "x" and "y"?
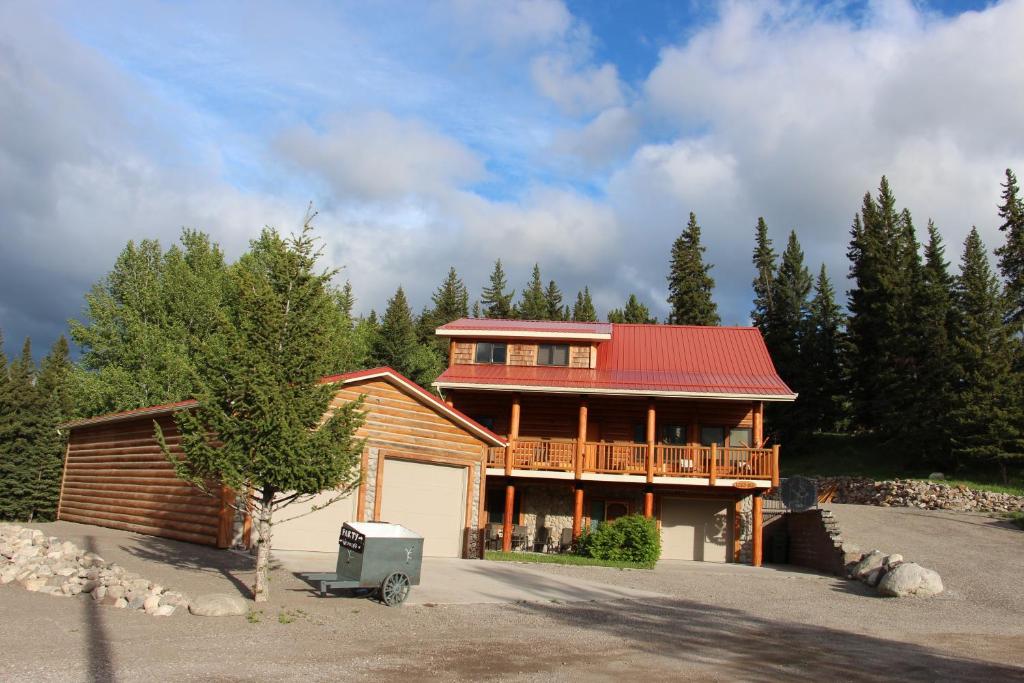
{"x": 490, "y": 352}
{"x": 553, "y": 354}
{"x": 485, "y": 420}
{"x": 606, "y": 511}
{"x": 640, "y": 433}
{"x": 673, "y": 435}
{"x": 496, "y": 507}
{"x": 710, "y": 435}
{"x": 740, "y": 438}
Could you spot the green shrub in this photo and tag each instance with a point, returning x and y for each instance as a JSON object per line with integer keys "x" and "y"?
{"x": 632, "y": 538}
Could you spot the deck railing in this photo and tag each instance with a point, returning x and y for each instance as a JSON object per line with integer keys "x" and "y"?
{"x": 631, "y": 458}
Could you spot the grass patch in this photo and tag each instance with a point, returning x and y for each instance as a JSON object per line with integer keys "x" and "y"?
{"x": 1017, "y": 519}
{"x": 574, "y": 560}
{"x": 845, "y": 455}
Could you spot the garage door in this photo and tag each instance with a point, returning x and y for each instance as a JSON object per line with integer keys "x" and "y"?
{"x": 429, "y": 499}
{"x": 317, "y": 531}
{"x": 694, "y": 529}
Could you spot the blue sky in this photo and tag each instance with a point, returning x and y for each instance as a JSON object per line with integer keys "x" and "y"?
{"x": 576, "y": 135}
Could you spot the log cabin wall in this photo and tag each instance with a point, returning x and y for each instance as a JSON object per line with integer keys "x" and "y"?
{"x": 525, "y": 354}
{"x": 116, "y": 476}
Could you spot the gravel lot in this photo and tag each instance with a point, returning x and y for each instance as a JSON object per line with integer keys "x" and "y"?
{"x": 720, "y": 622}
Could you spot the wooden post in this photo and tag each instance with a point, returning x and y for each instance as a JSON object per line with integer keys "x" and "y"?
{"x": 510, "y": 506}
{"x": 775, "y": 466}
{"x": 649, "y": 503}
{"x": 63, "y": 475}
{"x": 757, "y": 515}
{"x": 650, "y": 442}
{"x": 451, "y": 353}
{"x": 577, "y": 512}
{"x": 712, "y": 474}
{"x": 581, "y": 440}
{"x": 225, "y": 517}
{"x": 758, "y": 425}
{"x": 513, "y": 434}
{"x": 737, "y": 529}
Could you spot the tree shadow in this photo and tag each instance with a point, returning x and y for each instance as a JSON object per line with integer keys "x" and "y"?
{"x": 198, "y": 558}
{"x": 98, "y": 655}
{"x": 738, "y": 645}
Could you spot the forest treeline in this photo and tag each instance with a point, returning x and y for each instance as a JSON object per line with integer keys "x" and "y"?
{"x": 924, "y": 356}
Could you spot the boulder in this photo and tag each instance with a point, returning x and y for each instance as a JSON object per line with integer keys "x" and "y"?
{"x": 34, "y": 585}
{"x": 174, "y": 599}
{"x": 164, "y": 610}
{"x": 892, "y": 560}
{"x": 116, "y": 591}
{"x": 874, "y": 576}
{"x": 910, "y": 579}
{"x": 869, "y": 561}
{"x": 138, "y": 602}
{"x": 218, "y": 605}
{"x": 151, "y": 604}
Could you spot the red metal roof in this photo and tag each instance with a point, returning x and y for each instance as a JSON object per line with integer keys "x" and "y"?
{"x": 492, "y": 326}
{"x": 651, "y": 360}
{"x": 393, "y": 375}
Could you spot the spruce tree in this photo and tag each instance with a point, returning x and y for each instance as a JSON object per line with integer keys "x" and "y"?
{"x": 634, "y": 312}
{"x": 985, "y": 426}
{"x": 533, "y": 305}
{"x": 764, "y": 279}
{"x": 260, "y": 425}
{"x": 553, "y": 297}
{"x": 689, "y": 281}
{"x": 495, "y": 301}
{"x": 823, "y": 354}
{"x": 52, "y": 407}
{"x": 583, "y": 310}
{"x": 476, "y": 310}
{"x": 396, "y": 339}
{"x": 20, "y": 430}
{"x": 1011, "y": 253}
{"x": 451, "y": 300}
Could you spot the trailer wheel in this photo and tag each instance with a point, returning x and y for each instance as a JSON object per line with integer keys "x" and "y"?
{"x": 394, "y": 589}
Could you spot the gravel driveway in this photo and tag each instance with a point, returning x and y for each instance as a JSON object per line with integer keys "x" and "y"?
{"x": 716, "y": 622}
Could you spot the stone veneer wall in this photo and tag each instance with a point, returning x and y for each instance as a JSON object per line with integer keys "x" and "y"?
{"x": 551, "y": 506}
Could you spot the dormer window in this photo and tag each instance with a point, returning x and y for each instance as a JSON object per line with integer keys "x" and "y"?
{"x": 553, "y": 354}
{"x": 491, "y": 352}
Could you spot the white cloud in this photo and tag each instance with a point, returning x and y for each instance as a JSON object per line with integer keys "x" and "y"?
{"x": 516, "y": 25}
{"x": 578, "y": 91}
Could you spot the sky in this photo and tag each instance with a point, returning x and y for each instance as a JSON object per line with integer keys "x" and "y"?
{"x": 577, "y": 135}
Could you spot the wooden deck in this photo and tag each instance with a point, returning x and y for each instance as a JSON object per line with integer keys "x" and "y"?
{"x": 650, "y": 461}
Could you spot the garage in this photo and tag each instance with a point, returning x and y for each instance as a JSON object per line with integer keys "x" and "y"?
{"x": 430, "y": 499}
{"x": 694, "y": 529}
{"x": 315, "y": 531}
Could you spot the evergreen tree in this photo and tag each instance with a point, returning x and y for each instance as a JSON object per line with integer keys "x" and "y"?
{"x": 786, "y": 327}
{"x": 260, "y": 394}
{"x": 476, "y": 310}
{"x": 764, "y": 280}
{"x": 634, "y": 312}
{"x": 347, "y": 354}
{"x": 689, "y": 281}
{"x": 451, "y": 300}
{"x": 985, "y": 421}
{"x": 396, "y": 339}
{"x": 553, "y": 297}
{"x": 22, "y": 440}
{"x": 583, "y": 311}
{"x": 496, "y": 302}
{"x": 534, "y": 304}
{"x": 823, "y": 355}
{"x": 1011, "y": 254}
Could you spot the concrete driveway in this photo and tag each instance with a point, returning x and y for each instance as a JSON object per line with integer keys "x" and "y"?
{"x": 465, "y": 582}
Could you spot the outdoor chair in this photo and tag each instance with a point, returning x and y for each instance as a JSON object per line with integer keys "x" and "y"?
{"x": 493, "y": 540}
{"x": 565, "y": 541}
{"x": 519, "y": 536}
{"x": 542, "y": 541}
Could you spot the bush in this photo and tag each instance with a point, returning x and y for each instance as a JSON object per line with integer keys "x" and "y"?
{"x": 632, "y": 538}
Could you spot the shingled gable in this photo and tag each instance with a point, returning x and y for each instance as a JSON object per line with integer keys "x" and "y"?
{"x": 649, "y": 360}
{"x": 388, "y": 374}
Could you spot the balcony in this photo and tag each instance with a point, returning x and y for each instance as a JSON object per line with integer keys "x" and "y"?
{"x": 653, "y": 463}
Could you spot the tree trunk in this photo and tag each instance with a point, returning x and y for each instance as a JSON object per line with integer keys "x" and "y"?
{"x": 260, "y": 592}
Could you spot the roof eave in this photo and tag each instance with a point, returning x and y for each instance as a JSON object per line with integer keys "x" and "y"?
{"x": 730, "y": 396}
{"x": 524, "y": 334}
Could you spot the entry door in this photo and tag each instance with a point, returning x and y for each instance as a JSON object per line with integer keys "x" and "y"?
{"x": 694, "y": 529}
{"x": 429, "y": 499}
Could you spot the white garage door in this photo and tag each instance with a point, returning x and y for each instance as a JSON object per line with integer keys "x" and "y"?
{"x": 694, "y": 529}
{"x": 429, "y": 499}
{"x": 317, "y": 531}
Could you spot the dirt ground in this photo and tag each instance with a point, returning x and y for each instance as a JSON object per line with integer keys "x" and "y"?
{"x": 711, "y": 622}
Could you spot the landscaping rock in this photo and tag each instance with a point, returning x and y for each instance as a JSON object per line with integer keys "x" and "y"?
{"x": 164, "y": 610}
{"x": 926, "y": 495}
{"x": 892, "y": 560}
{"x": 910, "y": 579}
{"x": 218, "y": 605}
{"x": 869, "y": 561}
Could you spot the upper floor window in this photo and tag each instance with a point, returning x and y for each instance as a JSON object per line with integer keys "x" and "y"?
{"x": 490, "y": 352}
{"x": 712, "y": 435}
{"x": 674, "y": 435}
{"x": 553, "y": 354}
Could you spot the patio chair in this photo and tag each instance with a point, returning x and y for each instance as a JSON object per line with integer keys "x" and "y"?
{"x": 565, "y": 541}
{"x": 519, "y": 536}
{"x": 493, "y": 540}
{"x": 542, "y": 540}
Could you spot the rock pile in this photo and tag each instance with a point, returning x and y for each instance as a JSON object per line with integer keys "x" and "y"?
{"x": 893, "y": 577}
{"x": 926, "y": 495}
{"x": 45, "y": 564}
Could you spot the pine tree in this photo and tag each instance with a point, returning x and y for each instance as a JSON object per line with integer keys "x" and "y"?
{"x": 396, "y": 339}
{"x": 53, "y": 407}
{"x": 823, "y": 355}
{"x": 21, "y": 426}
{"x": 451, "y": 300}
{"x": 689, "y": 281}
{"x": 984, "y": 419}
{"x": 1011, "y": 254}
{"x": 553, "y": 297}
{"x": 260, "y": 394}
{"x": 533, "y": 305}
{"x": 496, "y": 302}
{"x": 634, "y": 312}
{"x": 764, "y": 280}
{"x": 476, "y": 310}
{"x": 583, "y": 311}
